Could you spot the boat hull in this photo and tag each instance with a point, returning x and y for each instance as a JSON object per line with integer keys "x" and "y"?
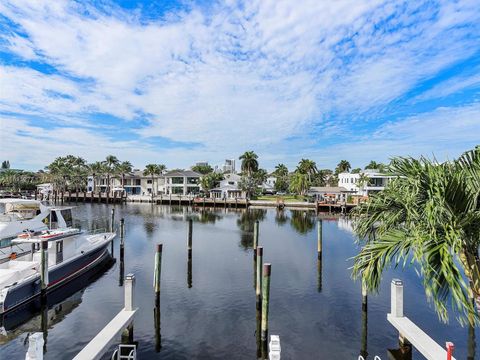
{"x": 58, "y": 275}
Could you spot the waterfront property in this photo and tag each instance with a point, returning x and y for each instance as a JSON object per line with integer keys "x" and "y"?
{"x": 374, "y": 181}
{"x": 182, "y": 182}
{"x": 136, "y": 183}
{"x": 329, "y": 194}
{"x": 228, "y": 188}
{"x": 315, "y": 305}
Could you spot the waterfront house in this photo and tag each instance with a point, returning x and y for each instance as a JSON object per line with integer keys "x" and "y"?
{"x": 136, "y": 183}
{"x": 229, "y": 188}
{"x": 376, "y": 182}
{"x": 182, "y": 182}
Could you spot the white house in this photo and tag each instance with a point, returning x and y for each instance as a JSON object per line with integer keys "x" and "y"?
{"x": 135, "y": 184}
{"x": 229, "y": 188}
{"x": 182, "y": 182}
{"x": 376, "y": 182}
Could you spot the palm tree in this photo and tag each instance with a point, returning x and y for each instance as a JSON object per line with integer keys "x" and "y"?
{"x": 343, "y": 166}
{"x": 363, "y": 180}
{"x": 372, "y": 165}
{"x": 96, "y": 170}
{"x": 152, "y": 170}
{"x": 306, "y": 166}
{"x": 428, "y": 216}
{"x": 124, "y": 168}
{"x": 110, "y": 162}
{"x": 249, "y": 162}
{"x": 299, "y": 183}
{"x": 281, "y": 170}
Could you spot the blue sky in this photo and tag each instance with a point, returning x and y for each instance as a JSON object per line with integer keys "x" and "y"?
{"x": 177, "y": 82}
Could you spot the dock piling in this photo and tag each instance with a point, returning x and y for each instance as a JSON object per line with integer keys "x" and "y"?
{"x": 158, "y": 270}
{"x": 112, "y": 221}
{"x": 258, "y": 290}
{"x": 127, "y": 336}
{"x": 267, "y": 269}
{"x": 319, "y": 238}
{"x": 189, "y": 253}
{"x": 44, "y": 267}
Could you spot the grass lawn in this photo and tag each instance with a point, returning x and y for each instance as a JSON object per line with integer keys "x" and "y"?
{"x": 285, "y": 198}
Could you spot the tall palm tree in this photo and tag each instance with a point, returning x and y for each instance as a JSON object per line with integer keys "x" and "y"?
{"x": 281, "y": 170}
{"x": 122, "y": 169}
{"x": 372, "y": 165}
{"x": 110, "y": 162}
{"x": 363, "y": 180}
{"x": 152, "y": 170}
{"x": 97, "y": 169}
{"x": 249, "y": 162}
{"x": 299, "y": 183}
{"x": 307, "y": 166}
{"x": 428, "y": 216}
{"x": 343, "y": 166}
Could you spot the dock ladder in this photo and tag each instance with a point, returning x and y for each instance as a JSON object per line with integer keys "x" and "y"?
{"x": 125, "y": 352}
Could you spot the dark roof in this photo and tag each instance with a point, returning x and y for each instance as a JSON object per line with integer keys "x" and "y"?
{"x": 188, "y": 173}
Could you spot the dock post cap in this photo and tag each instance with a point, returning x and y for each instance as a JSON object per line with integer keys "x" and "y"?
{"x": 259, "y": 250}
{"x": 159, "y": 247}
{"x": 397, "y": 282}
{"x": 130, "y": 277}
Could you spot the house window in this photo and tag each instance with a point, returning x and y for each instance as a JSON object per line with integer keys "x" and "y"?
{"x": 149, "y": 181}
{"x": 138, "y": 182}
{"x": 192, "y": 180}
{"x": 177, "y": 180}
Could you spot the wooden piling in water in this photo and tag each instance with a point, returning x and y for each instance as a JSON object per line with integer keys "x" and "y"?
{"x": 44, "y": 267}
{"x": 255, "y": 236}
{"x": 36, "y": 193}
{"x": 319, "y": 238}
{"x": 267, "y": 269}
{"x": 364, "y": 295}
{"x": 158, "y": 270}
{"x": 190, "y": 234}
{"x": 112, "y": 220}
{"x": 258, "y": 289}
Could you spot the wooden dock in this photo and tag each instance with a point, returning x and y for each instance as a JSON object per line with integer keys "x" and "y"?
{"x": 83, "y": 197}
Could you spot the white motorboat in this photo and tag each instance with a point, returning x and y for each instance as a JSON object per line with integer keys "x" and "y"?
{"x": 23, "y": 217}
{"x": 67, "y": 258}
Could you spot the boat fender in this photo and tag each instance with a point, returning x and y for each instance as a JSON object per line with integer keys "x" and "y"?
{"x": 13, "y": 256}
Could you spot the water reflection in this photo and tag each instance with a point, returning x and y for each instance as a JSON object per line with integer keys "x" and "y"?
{"x": 246, "y": 223}
{"x": 189, "y": 269}
{"x": 281, "y": 217}
{"x": 471, "y": 343}
{"x": 156, "y": 317}
{"x": 303, "y": 221}
{"x": 40, "y": 315}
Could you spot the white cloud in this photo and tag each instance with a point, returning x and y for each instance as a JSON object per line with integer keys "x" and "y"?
{"x": 236, "y": 76}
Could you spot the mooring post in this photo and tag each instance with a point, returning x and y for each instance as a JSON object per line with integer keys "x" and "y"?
{"x": 36, "y": 193}
{"x": 127, "y": 336}
{"x": 122, "y": 251}
{"x": 44, "y": 267}
{"x": 267, "y": 268}
{"x": 112, "y": 221}
{"x": 319, "y": 238}
{"x": 255, "y": 236}
{"x": 258, "y": 290}
{"x": 364, "y": 294}
{"x": 190, "y": 234}
{"x": 158, "y": 270}
{"x": 396, "y": 307}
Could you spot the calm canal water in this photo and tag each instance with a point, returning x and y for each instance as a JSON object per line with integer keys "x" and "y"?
{"x": 316, "y": 311}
